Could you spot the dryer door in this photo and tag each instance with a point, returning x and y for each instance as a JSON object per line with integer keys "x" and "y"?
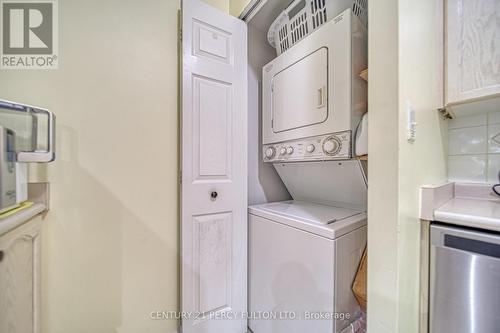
{"x": 300, "y": 93}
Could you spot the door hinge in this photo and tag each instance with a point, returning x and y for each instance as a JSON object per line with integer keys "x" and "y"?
{"x": 446, "y": 114}
{"x": 180, "y": 176}
{"x": 180, "y": 35}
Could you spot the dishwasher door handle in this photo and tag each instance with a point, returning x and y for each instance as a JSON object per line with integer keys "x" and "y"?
{"x": 472, "y": 246}
{"x": 448, "y": 236}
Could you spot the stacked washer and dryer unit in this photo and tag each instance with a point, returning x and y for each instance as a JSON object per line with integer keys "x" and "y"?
{"x": 304, "y": 253}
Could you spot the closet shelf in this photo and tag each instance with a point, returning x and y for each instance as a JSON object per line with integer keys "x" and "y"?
{"x": 364, "y": 74}
{"x": 362, "y": 158}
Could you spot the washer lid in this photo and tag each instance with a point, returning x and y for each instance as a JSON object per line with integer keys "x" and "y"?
{"x": 309, "y": 212}
{"x": 322, "y": 220}
{"x": 332, "y": 183}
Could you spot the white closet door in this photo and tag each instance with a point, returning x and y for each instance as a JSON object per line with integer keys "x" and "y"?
{"x": 214, "y": 170}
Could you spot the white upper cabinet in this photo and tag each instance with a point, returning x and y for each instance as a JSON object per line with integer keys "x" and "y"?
{"x": 472, "y": 50}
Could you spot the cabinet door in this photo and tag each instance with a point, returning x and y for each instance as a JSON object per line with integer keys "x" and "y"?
{"x": 19, "y": 279}
{"x": 472, "y": 49}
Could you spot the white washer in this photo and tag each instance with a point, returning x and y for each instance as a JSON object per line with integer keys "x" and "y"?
{"x": 304, "y": 253}
{"x": 303, "y": 259}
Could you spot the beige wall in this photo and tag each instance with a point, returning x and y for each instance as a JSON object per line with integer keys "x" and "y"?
{"x": 383, "y": 188}
{"x": 220, "y": 4}
{"x": 237, "y": 6}
{"x": 404, "y": 66}
{"x": 423, "y": 162}
{"x": 110, "y": 241}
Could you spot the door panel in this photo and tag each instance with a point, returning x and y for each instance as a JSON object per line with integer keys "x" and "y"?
{"x": 301, "y": 86}
{"x": 213, "y": 261}
{"x": 212, "y": 128}
{"x": 20, "y": 279}
{"x": 212, "y": 42}
{"x": 214, "y": 170}
{"x": 16, "y": 286}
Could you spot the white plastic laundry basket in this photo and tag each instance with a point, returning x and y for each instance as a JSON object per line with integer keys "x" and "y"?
{"x": 304, "y": 16}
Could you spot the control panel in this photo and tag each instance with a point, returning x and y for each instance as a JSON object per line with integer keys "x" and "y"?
{"x": 324, "y": 147}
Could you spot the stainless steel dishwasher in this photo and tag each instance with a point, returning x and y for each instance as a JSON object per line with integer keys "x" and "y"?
{"x": 464, "y": 281}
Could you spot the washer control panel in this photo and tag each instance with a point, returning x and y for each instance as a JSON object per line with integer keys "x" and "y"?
{"x": 324, "y": 147}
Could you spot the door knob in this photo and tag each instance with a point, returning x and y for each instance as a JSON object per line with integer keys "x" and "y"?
{"x": 213, "y": 195}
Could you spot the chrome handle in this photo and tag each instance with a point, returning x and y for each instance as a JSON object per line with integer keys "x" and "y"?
{"x": 48, "y": 155}
{"x": 472, "y": 246}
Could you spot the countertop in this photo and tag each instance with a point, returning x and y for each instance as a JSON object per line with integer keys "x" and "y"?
{"x": 10, "y": 223}
{"x": 471, "y": 205}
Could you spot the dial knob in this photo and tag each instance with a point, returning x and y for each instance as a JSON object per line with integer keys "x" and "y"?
{"x": 310, "y": 148}
{"x": 282, "y": 151}
{"x": 289, "y": 150}
{"x": 270, "y": 152}
{"x": 331, "y": 145}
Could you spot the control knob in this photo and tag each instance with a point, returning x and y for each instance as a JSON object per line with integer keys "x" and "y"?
{"x": 270, "y": 152}
{"x": 289, "y": 150}
{"x": 310, "y": 148}
{"x": 331, "y": 145}
{"x": 282, "y": 151}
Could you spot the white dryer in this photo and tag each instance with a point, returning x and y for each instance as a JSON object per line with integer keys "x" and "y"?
{"x": 304, "y": 253}
{"x": 312, "y": 96}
